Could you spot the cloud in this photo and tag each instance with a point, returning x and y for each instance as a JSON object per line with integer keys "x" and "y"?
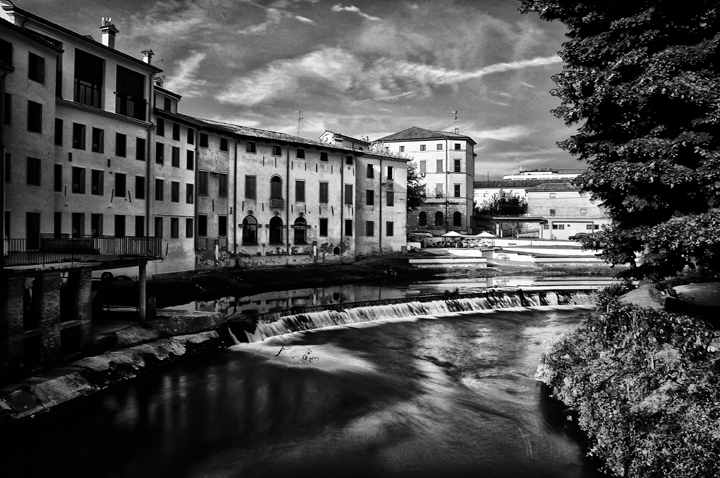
{"x": 528, "y": 85}
{"x": 506, "y": 133}
{"x": 184, "y": 80}
{"x": 353, "y": 9}
{"x": 304, "y": 19}
{"x": 273, "y": 17}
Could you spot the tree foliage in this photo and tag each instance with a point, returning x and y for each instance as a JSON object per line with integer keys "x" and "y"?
{"x": 642, "y": 81}
{"x": 503, "y": 204}
{"x": 415, "y": 187}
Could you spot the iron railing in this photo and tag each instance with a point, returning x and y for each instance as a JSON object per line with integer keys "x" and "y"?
{"x": 52, "y": 248}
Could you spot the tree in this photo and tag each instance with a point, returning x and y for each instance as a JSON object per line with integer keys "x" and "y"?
{"x": 503, "y": 204}
{"x": 415, "y": 188}
{"x": 642, "y": 81}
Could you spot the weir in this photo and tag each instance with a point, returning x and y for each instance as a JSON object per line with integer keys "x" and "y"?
{"x": 316, "y": 317}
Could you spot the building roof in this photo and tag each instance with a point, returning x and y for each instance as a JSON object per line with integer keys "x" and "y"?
{"x": 344, "y": 136}
{"x": 38, "y": 37}
{"x": 517, "y": 184}
{"x": 415, "y": 133}
{"x": 167, "y": 92}
{"x": 561, "y": 186}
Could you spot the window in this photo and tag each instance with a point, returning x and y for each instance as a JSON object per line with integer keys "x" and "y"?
{"x": 167, "y": 104}
{"x": 139, "y": 226}
{"x": 189, "y": 193}
{"x": 174, "y": 227}
{"x": 222, "y": 225}
{"x": 389, "y": 229}
{"x": 456, "y": 190}
{"x": 176, "y": 132}
{"x": 349, "y": 159}
{"x": 174, "y": 191}
{"x": 120, "y": 185}
{"x": 189, "y": 227}
{"x": 458, "y": 147}
{"x": 223, "y": 185}
{"x": 439, "y": 219}
{"x": 348, "y": 227}
{"x": 224, "y": 144}
{"x": 390, "y": 198}
{"x": 402, "y": 149}
{"x": 457, "y": 219}
{"x": 250, "y": 187}
{"x": 159, "y": 153}
{"x": 276, "y": 187}
{"x": 324, "y": 193}
{"x": 34, "y": 119}
{"x": 89, "y": 74}
{"x": 439, "y": 190}
{"x": 160, "y": 127}
{"x": 78, "y": 138}
{"x": 423, "y": 147}
{"x": 552, "y": 212}
{"x": 190, "y": 136}
{"x": 589, "y": 227}
{"x": 203, "y": 183}
{"x": 249, "y": 232}
{"x": 119, "y": 225}
{"x": 323, "y": 227}
{"x": 175, "y": 157}
{"x": 158, "y": 226}
{"x": 300, "y": 153}
{"x": 58, "y": 132}
{"x": 348, "y": 194}
{"x": 370, "y": 228}
{"x": 423, "y": 167}
{"x": 458, "y": 166}
{"x": 390, "y": 173}
{"x": 139, "y": 187}
{"x": 203, "y": 140}
{"x": 276, "y": 150}
{"x": 57, "y": 179}
{"x": 96, "y": 225}
{"x": 140, "y": 149}
{"x": 546, "y": 226}
{"x": 190, "y": 160}
{"x": 276, "y": 230}
{"x": 97, "y": 182}
{"x": 439, "y": 165}
{"x": 300, "y": 231}
{"x": 422, "y": 219}
{"x": 36, "y": 68}
{"x": 370, "y": 171}
{"x": 6, "y": 53}
{"x": 159, "y": 189}
{"x": 130, "y": 93}
{"x": 299, "y": 191}
{"x": 78, "y": 224}
{"x": 8, "y": 109}
{"x": 98, "y": 140}
{"x": 120, "y": 145}
{"x": 369, "y": 197}
{"x": 250, "y": 147}
{"x": 33, "y": 171}
{"x": 323, "y": 156}
{"x": 439, "y": 146}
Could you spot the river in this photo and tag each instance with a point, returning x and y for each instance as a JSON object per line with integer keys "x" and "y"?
{"x": 423, "y": 397}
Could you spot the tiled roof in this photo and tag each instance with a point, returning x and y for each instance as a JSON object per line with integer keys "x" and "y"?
{"x": 510, "y": 184}
{"x": 416, "y": 133}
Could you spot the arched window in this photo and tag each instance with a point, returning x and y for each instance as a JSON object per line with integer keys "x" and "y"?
{"x": 276, "y": 187}
{"x": 276, "y": 230}
{"x": 300, "y": 227}
{"x": 457, "y": 218}
{"x": 249, "y": 233}
{"x": 422, "y": 219}
{"x": 438, "y": 218}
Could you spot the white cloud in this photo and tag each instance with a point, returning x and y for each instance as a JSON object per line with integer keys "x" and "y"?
{"x": 528, "y": 85}
{"x": 506, "y": 133}
{"x": 353, "y": 9}
{"x": 304, "y": 19}
{"x": 184, "y": 80}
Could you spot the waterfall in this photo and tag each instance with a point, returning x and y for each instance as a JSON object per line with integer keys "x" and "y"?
{"x": 316, "y": 319}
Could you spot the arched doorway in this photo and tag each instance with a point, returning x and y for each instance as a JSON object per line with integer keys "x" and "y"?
{"x": 457, "y": 219}
{"x": 439, "y": 218}
{"x": 276, "y": 230}
{"x": 249, "y": 232}
{"x": 300, "y": 234}
{"x": 422, "y": 218}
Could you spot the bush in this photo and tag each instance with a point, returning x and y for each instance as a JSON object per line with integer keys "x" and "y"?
{"x": 645, "y": 386}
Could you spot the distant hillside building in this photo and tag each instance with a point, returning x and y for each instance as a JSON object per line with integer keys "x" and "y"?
{"x": 448, "y": 162}
{"x": 544, "y": 174}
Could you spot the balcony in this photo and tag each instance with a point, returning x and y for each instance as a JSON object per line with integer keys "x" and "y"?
{"x": 278, "y": 203}
{"x": 133, "y": 107}
{"x": 49, "y": 249}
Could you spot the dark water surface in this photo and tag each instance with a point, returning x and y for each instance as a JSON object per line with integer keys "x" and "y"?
{"x": 447, "y": 397}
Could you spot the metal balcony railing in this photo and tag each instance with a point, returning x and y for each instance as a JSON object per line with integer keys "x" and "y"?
{"x": 51, "y": 248}
{"x": 277, "y": 202}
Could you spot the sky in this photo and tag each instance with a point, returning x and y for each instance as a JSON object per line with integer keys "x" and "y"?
{"x": 367, "y": 68}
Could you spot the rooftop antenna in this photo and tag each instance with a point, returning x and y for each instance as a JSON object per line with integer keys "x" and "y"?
{"x": 300, "y": 118}
{"x": 455, "y": 120}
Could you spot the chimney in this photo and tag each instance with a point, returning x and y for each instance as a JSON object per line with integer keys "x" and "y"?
{"x": 108, "y": 32}
{"x": 147, "y": 56}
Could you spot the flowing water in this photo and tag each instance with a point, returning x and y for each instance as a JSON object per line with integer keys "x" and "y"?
{"x": 449, "y": 396}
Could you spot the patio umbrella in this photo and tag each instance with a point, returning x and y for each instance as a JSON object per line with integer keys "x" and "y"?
{"x": 485, "y": 234}
{"x": 451, "y": 234}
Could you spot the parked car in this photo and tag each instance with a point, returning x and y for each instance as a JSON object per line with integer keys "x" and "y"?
{"x": 578, "y": 236}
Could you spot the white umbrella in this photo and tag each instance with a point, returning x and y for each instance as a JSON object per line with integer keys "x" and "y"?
{"x": 451, "y": 234}
{"x": 485, "y": 234}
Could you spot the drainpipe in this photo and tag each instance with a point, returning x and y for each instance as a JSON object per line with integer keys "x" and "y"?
{"x": 196, "y": 193}
{"x": 287, "y": 204}
{"x": 381, "y": 202}
{"x": 234, "y": 206}
{"x": 447, "y": 186}
{"x": 342, "y": 203}
{"x": 2, "y": 168}
{"x": 142, "y": 284}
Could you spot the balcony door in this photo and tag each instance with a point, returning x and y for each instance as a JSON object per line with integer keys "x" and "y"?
{"x": 32, "y": 229}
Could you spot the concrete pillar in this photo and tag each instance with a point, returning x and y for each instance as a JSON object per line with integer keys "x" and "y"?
{"x": 46, "y": 293}
{"x": 142, "y": 295}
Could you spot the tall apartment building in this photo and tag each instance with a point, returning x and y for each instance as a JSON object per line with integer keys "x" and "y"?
{"x": 448, "y": 162}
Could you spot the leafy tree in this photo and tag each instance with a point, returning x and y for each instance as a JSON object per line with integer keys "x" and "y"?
{"x": 503, "y": 204}
{"x": 415, "y": 187}
{"x": 642, "y": 80}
